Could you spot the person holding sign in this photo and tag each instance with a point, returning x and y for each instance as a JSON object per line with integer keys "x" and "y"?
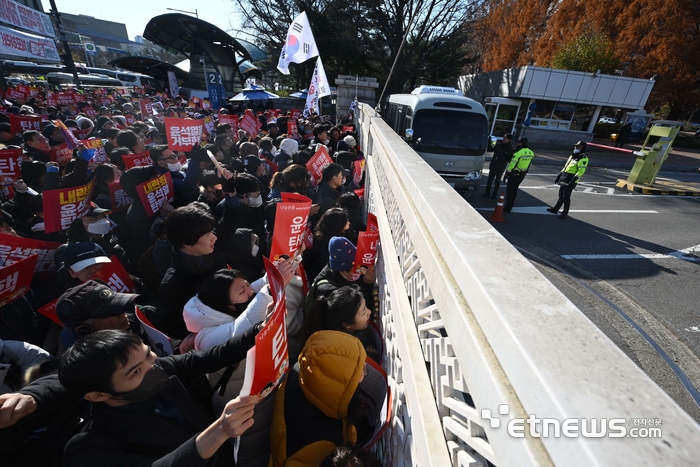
{"x": 185, "y": 184}
{"x": 316, "y": 407}
{"x": 142, "y": 411}
{"x": 226, "y": 306}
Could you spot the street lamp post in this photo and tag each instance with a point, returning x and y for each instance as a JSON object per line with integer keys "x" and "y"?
{"x": 184, "y": 11}
{"x": 68, "y": 58}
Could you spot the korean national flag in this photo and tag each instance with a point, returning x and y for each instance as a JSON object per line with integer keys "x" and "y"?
{"x": 300, "y": 44}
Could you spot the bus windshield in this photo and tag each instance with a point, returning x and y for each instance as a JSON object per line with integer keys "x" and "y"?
{"x": 450, "y": 132}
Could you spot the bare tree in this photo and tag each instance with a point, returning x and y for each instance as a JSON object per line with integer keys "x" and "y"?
{"x": 364, "y": 37}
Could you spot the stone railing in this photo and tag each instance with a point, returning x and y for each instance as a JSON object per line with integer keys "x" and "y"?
{"x": 471, "y": 328}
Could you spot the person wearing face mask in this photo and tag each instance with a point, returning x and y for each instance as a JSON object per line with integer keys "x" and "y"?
{"x": 246, "y": 209}
{"x": 142, "y": 408}
{"x": 185, "y": 185}
{"x": 226, "y": 306}
{"x": 568, "y": 178}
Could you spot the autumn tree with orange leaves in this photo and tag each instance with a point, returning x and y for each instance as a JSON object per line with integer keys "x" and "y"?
{"x": 650, "y": 39}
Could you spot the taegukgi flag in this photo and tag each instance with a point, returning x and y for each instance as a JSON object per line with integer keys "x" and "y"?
{"x": 318, "y": 88}
{"x": 300, "y": 44}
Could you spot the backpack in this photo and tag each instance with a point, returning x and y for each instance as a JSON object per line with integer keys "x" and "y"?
{"x": 311, "y": 295}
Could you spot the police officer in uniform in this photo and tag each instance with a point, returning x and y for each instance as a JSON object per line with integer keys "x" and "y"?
{"x": 502, "y": 154}
{"x": 569, "y": 177}
{"x": 516, "y": 171}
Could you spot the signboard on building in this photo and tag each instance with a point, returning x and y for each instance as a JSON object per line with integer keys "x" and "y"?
{"x": 25, "y": 45}
{"x": 21, "y": 16}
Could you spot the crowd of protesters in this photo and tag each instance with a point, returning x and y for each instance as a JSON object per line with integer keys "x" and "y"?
{"x": 94, "y": 389}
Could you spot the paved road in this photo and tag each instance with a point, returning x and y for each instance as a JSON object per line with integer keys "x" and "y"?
{"x": 642, "y": 253}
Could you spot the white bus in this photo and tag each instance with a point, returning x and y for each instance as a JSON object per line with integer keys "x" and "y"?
{"x": 449, "y": 131}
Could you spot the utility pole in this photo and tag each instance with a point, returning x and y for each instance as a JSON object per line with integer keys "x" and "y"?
{"x": 67, "y": 57}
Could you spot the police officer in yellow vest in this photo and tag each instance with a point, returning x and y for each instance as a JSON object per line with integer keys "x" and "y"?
{"x": 516, "y": 171}
{"x": 569, "y": 177}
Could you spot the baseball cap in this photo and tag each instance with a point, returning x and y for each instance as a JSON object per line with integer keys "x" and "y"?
{"x": 92, "y": 299}
{"x": 80, "y": 255}
{"x": 341, "y": 254}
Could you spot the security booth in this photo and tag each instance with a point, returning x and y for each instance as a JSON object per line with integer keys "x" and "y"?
{"x": 502, "y": 114}
{"x": 552, "y": 107}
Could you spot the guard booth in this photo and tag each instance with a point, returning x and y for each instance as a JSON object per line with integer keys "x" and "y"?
{"x": 502, "y": 114}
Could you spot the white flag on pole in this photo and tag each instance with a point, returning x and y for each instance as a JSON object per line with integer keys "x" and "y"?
{"x": 300, "y": 44}
{"x": 318, "y": 88}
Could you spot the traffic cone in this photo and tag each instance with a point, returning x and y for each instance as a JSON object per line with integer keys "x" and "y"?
{"x": 497, "y": 215}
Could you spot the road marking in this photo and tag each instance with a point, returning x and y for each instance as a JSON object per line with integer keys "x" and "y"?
{"x": 543, "y": 210}
{"x": 687, "y": 254}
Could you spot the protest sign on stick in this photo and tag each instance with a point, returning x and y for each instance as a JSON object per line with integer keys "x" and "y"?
{"x": 268, "y": 361}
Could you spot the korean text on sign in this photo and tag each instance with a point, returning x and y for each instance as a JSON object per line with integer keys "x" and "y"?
{"x": 15, "y": 279}
{"x": 63, "y": 206}
{"x": 14, "y": 249}
{"x": 183, "y": 133}
{"x": 10, "y": 163}
{"x": 118, "y": 197}
{"x": 154, "y": 192}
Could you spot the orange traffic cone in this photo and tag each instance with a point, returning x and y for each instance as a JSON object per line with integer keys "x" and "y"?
{"x": 497, "y": 215}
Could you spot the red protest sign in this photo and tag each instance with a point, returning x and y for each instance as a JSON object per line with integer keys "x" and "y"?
{"x": 7, "y": 192}
{"x": 372, "y": 225}
{"x": 100, "y": 156}
{"x": 366, "y": 251}
{"x": 49, "y": 310}
{"x": 63, "y": 206}
{"x": 61, "y": 154}
{"x": 115, "y": 276}
{"x": 146, "y": 108}
{"x": 10, "y": 163}
{"x": 14, "y": 249}
{"x": 291, "y": 218}
{"x": 90, "y": 112}
{"x": 154, "y": 192}
{"x": 137, "y": 160}
{"x": 317, "y": 163}
{"x": 118, "y": 197}
{"x": 230, "y": 119}
{"x": 360, "y": 193}
{"x": 183, "y": 133}
{"x": 16, "y": 94}
{"x": 292, "y": 129}
{"x": 268, "y": 361}
{"x": 81, "y": 134}
{"x": 70, "y": 140}
{"x": 209, "y": 125}
{"x": 21, "y": 123}
{"x": 295, "y": 114}
{"x": 15, "y": 279}
{"x": 130, "y": 119}
{"x": 249, "y": 123}
{"x": 357, "y": 172}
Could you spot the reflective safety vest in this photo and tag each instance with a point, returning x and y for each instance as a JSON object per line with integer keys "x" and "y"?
{"x": 576, "y": 166}
{"x": 521, "y": 160}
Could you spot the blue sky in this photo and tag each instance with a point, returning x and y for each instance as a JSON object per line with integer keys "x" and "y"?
{"x": 137, "y": 13}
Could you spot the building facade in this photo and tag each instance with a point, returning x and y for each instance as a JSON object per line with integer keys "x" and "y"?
{"x": 551, "y": 106}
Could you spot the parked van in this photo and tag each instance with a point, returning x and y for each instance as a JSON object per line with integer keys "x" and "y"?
{"x": 62, "y": 79}
{"x": 449, "y": 131}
